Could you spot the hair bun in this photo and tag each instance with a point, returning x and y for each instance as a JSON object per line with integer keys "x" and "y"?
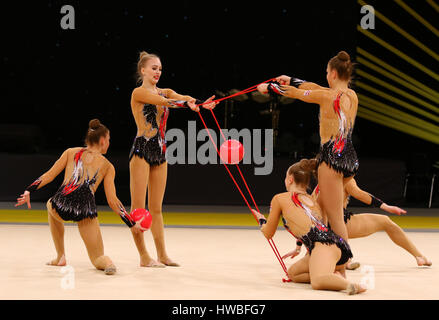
{"x": 343, "y": 56}
{"x": 94, "y": 124}
{"x": 308, "y": 165}
{"x": 143, "y": 54}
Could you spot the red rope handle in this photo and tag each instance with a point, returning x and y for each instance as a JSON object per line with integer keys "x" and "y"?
{"x": 248, "y": 90}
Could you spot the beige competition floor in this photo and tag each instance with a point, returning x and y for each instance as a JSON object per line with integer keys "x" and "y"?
{"x": 216, "y": 264}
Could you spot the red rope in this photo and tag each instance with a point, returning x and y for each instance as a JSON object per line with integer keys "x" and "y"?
{"x": 252, "y": 88}
{"x": 236, "y": 165}
{"x": 270, "y": 241}
{"x": 279, "y": 258}
{"x": 248, "y": 90}
{"x": 231, "y": 176}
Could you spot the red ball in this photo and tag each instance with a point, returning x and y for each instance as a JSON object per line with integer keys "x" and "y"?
{"x": 138, "y": 214}
{"x": 232, "y": 151}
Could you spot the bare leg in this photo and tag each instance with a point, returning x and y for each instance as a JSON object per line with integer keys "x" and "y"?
{"x": 365, "y": 224}
{"x": 299, "y": 271}
{"x": 322, "y": 265}
{"x": 57, "y": 230}
{"x": 91, "y": 235}
{"x": 331, "y": 184}
{"x": 156, "y": 191}
{"x": 331, "y": 198}
{"x": 139, "y": 174}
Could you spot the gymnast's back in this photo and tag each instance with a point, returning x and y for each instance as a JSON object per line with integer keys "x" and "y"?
{"x": 84, "y": 171}
{"x": 85, "y": 166}
{"x": 299, "y": 210}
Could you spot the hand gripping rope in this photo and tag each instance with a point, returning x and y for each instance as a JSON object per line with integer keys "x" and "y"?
{"x": 270, "y": 241}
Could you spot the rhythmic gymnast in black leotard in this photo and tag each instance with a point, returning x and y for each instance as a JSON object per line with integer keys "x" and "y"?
{"x": 337, "y": 159}
{"x": 85, "y": 168}
{"x": 302, "y": 214}
{"x": 148, "y": 167}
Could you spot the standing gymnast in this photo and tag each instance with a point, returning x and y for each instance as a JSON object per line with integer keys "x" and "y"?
{"x": 85, "y": 168}
{"x": 301, "y": 212}
{"x": 148, "y": 167}
{"x": 337, "y": 158}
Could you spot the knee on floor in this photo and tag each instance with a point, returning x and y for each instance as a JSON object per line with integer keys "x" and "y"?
{"x": 291, "y": 274}
{"x": 317, "y": 283}
{"x": 298, "y": 279}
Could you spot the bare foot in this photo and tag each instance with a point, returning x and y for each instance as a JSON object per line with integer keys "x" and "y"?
{"x": 152, "y": 264}
{"x": 59, "y": 262}
{"x": 168, "y": 262}
{"x": 352, "y": 265}
{"x": 355, "y": 288}
{"x": 111, "y": 269}
{"x": 423, "y": 261}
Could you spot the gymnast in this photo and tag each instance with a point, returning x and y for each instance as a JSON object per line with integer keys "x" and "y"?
{"x": 365, "y": 224}
{"x": 301, "y": 212}
{"x": 337, "y": 158}
{"x": 148, "y": 167}
{"x": 85, "y": 168}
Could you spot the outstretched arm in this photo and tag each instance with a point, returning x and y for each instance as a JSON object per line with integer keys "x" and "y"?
{"x": 354, "y": 190}
{"x": 44, "y": 179}
{"x": 269, "y": 226}
{"x": 299, "y": 83}
{"x": 144, "y": 96}
{"x": 310, "y": 96}
{"x": 171, "y": 94}
{"x": 113, "y": 201}
{"x": 295, "y": 252}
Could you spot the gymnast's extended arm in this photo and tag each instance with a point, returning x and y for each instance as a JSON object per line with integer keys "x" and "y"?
{"x": 178, "y": 101}
{"x": 113, "y": 201}
{"x": 354, "y": 190}
{"x": 318, "y": 96}
{"x": 44, "y": 179}
{"x": 269, "y": 226}
{"x": 298, "y": 83}
{"x": 207, "y": 104}
{"x": 145, "y": 97}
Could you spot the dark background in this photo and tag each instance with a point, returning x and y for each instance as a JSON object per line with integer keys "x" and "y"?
{"x": 54, "y": 81}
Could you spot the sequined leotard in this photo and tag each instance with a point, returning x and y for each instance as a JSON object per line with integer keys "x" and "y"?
{"x": 74, "y": 200}
{"x": 319, "y": 233}
{"x": 151, "y": 146}
{"x": 338, "y": 152}
{"x": 347, "y": 214}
